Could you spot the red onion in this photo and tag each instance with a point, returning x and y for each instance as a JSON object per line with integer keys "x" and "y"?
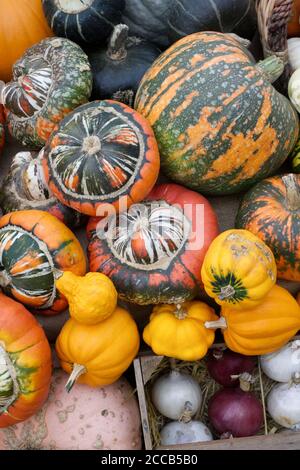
{"x": 233, "y": 412}
{"x": 223, "y": 364}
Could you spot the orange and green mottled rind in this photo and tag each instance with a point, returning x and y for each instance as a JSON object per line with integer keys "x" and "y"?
{"x": 264, "y": 211}
{"x": 219, "y": 123}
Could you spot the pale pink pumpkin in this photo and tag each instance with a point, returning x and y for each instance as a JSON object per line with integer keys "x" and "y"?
{"x": 84, "y": 419}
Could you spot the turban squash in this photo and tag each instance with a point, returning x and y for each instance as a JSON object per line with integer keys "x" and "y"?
{"x": 271, "y": 210}
{"x": 102, "y": 156}
{"x": 24, "y": 188}
{"x": 25, "y": 363}
{"x": 51, "y": 79}
{"x": 219, "y": 123}
{"x": 33, "y": 245}
{"x": 155, "y": 252}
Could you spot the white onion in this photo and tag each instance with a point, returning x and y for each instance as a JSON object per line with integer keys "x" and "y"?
{"x": 176, "y": 394}
{"x": 294, "y": 53}
{"x": 178, "y": 432}
{"x": 281, "y": 365}
{"x": 294, "y": 89}
{"x": 283, "y": 404}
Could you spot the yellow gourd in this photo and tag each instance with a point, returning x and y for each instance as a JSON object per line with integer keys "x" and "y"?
{"x": 97, "y": 355}
{"x": 239, "y": 269}
{"x": 92, "y": 298}
{"x": 178, "y": 331}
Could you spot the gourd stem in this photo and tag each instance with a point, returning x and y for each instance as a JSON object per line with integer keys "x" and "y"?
{"x": 9, "y": 374}
{"x": 243, "y": 41}
{"x": 213, "y": 325}
{"x": 117, "y": 43}
{"x": 292, "y": 192}
{"x": 4, "y": 279}
{"x": 272, "y": 68}
{"x": 180, "y": 313}
{"x": 77, "y": 371}
{"x": 227, "y": 292}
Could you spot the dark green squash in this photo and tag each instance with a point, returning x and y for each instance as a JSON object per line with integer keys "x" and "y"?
{"x": 120, "y": 67}
{"x": 83, "y": 21}
{"x": 219, "y": 123}
{"x": 148, "y": 19}
{"x": 226, "y": 16}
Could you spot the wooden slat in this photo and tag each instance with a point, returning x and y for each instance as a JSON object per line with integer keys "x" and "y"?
{"x": 142, "y": 403}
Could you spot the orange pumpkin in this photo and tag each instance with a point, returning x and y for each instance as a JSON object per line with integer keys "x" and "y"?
{"x": 22, "y": 24}
{"x": 25, "y": 363}
{"x": 33, "y": 246}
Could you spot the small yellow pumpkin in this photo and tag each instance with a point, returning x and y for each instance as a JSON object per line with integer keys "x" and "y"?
{"x": 239, "y": 269}
{"x": 178, "y": 331}
{"x": 92, "y": 298}
{"x": 262, "y": 329}
{"x": 97, "y": 355}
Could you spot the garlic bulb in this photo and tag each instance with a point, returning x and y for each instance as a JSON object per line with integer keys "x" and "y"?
{"x": 294, "y": 89}
{"x": 283, "y": 403}
{"x": 294, "y": 53}
{"x": 281, "y": 365}
{"x": 184, "y": 433}
{"x": 177, "y": 395}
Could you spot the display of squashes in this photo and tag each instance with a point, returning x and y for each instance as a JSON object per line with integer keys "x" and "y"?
{"x": 87, "y": 419}
{"x": 219, "y": 123}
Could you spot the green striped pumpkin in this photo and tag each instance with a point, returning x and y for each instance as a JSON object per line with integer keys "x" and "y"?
{"x": 219, "y": 123}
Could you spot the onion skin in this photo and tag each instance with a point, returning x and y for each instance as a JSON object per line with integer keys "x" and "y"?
{"x": 283, "y": 404}
{"x": 233, "y": 412}
{"x": 283, "y": 364}
{"x": 184, "y": 433}
{"x": 223, "y": 364}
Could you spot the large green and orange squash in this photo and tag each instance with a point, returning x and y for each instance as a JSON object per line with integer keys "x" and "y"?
{"x": 219, "y": 123}
{"x": 103, "y": 156}
{"x": 25, "y": 363}
{"x": 34, "y": 245}
{"x": 271, "y": 210}
{"x": 154, "y": 251}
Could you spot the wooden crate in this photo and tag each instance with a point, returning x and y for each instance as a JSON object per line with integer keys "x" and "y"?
{"x": 144, "y": 367}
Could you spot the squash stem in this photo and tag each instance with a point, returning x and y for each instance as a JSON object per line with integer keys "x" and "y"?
{"x": 292, "y": 192}
{"x": 227, "y": 292}
{"x": 180, "y": 313}
{"x": 77, "y": 371}
{"x": 272, "y": 68}
{"x": 214, "y": 325}
{"x": 4, "y": 279}
{"x": 117, "y": 43}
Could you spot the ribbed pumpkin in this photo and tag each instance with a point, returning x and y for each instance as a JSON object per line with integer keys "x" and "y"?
{"x": 271, "y": 210}
{"x": 2, "y": 132}
{"x": 104, "y": 153}
{"x": 83, "y": 21}
{"x": 238, "y": 270}
{"x": 262, "y": 329}
{"x": 33, "y": 245}
{"x": 51, "y": 79}
{"x": 22, "y": 24}
{"x": 24, "y": 188}
{"x": 219, "y": 123}
{"x": 156, "y": 252}
{"x": 25, "y": 363}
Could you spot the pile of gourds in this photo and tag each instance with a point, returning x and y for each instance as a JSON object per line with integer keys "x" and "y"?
{"x": 99, "y": 109}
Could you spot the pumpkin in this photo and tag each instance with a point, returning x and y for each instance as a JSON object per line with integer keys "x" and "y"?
{"x": 21, "y": 26}
{"x": 295, "y": 157}
{"x": 148, "y": 19}
{"x": 83, "y": 21}
{"x": 24, "y": 188}
{"x": 103, "y": 154}
{"x": 121, "y": 66}
{"x": 178, "y": 331}
{"x": 226, "y": 16}
{"x": 219, "y": 124}
{"x": 97, "y": 355}
{"x": 261, "y": 329}
{"x": 87, "y": 419}
{"x": 271, "y": 210}
{"x": 25, "y": 363}
{"x": 155, "y": 253}
{"x": 2, "y": 131}
{"x": 33, "y": 246}
{"x": 294, "y": 25}
{"x": 238, "y": 270}
{"x": 51, "y": 79}
{"x": 92, "y": 298}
